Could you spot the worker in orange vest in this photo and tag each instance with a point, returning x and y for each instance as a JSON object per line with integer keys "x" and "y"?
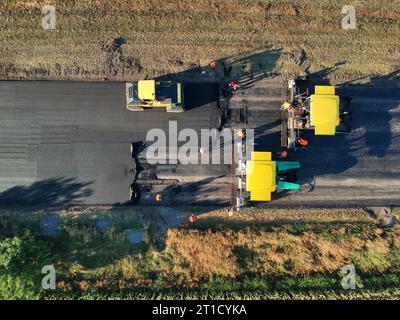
{"x": 234, "y": 85}
{"x": 302, "y": 142}
{"x": 283, "y": 154}
{"x": 193, "y": 218}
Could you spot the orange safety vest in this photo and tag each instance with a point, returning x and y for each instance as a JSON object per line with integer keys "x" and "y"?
{"x": 303, "y": 142}
{"x": 234, "y": 84}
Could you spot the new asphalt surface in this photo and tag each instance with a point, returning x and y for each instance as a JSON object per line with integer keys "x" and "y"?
{"x": 69, "y": 143}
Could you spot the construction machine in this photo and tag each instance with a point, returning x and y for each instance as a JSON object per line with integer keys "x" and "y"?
{"x": 154, "y": 94}
{"x": 257, "y": 176}
{"x": 324, "y": 111}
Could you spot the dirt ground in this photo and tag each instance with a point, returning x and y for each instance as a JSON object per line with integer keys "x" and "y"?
{"x": 101, "y": 40}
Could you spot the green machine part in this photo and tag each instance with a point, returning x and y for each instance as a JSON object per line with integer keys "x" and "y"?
{"x": 284, "y": 185}
{"x": 287, "y": 165}
{"x": 284, "y": 166}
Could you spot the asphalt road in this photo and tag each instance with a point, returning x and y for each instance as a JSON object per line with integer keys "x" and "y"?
{"x": 69, "y": 142}
{"x": 362, "y": 168}
{"x": 357, "y": 169}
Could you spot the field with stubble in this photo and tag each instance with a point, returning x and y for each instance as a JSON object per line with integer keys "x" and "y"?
{"x": 126, "y": 39}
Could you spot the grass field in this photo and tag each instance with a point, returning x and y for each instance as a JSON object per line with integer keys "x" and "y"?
{"x": 273, "y": 253}
{"x": 124, "y": 39}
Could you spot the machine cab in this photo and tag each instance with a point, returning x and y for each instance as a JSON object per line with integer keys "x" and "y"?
{"x": 154, "y": 94}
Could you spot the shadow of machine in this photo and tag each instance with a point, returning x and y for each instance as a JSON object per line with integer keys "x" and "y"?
{"x": 55, "y": 191}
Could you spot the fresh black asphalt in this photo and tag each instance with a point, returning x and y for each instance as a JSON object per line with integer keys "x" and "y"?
{"x": 69, "y": 143}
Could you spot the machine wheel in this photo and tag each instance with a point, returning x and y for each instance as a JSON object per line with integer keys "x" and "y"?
{"x": 135, "y": 108}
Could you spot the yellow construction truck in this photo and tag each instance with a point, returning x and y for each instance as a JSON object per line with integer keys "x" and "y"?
{"x": 257, "y": 175}
{"x": 324, "y": 111}
{"x": 154, "y": 94}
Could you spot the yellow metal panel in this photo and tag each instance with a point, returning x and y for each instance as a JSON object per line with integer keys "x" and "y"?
{"x": 325, "y": 90}
{"x": 147, "y": 90}
{"x": 258, "y": 156}
{"x": 327, "y": 130}
{"x": 260, "y": 176}
{"x": 324, "y": 113}
{"x": 260, "y": 196}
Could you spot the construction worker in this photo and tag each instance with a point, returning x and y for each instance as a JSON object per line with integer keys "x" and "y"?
{"x": 242, "y": 133}
{"x": 296, "y": 103}
{"x": 286, "y": 106}
{"x": 302, "y": 142}
{"x": 283, "y": 154}
{"x": 159, "y": 197}
{"x": 304, "y": 113}
{"x": 193, "y": 218}
{"x": 234, "y": 85}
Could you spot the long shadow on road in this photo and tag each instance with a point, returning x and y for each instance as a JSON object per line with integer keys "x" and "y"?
{"x": 371, "y": 137}
{"x": 54, "y": 191}
{"x": 374, "y": 119}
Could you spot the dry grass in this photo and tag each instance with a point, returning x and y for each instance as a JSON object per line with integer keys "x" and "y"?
{"x": 175, "y": 36}
{"x": 276, "y": 253}
{"x": 267, "y": 217}
{"x": 263, "y": 242}
{"x": 277, "y": 242}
